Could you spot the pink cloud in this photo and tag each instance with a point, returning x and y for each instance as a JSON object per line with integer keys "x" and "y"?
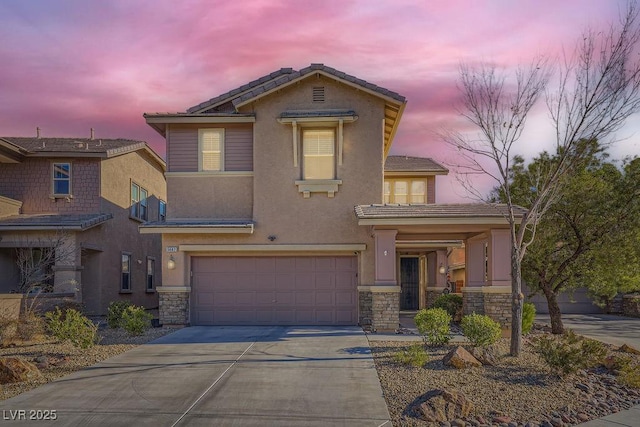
{"x": 72, "y": 65}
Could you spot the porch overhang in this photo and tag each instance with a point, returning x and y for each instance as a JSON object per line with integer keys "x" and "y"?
{"x": 451, "y": 221}
{"x": 26, "y": 222}
{"x": 197, "y": 227}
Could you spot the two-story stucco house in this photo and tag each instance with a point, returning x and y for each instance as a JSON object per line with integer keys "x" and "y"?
{"x": 281, "y": 210}
{"x": 81, "y": 200}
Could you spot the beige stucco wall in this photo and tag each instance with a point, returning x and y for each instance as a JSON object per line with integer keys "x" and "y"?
{"x": 279, "y": 209}
{"x": 210, "y": 196}
{"x": 109, "y": 240}
{"x": 9, "y": 206}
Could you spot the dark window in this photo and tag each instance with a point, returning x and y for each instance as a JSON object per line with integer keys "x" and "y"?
{"x": 162, "y": 210}
{"x": 139, "y": 207}
{"x": 125, "y": 284}
{"x": 62, "y": 178}
{"x": 151, "y": 273}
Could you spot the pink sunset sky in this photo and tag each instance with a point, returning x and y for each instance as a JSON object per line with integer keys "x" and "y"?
{"x": 70, "y": 65}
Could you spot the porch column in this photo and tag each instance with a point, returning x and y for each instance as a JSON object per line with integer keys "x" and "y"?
{"x": 174, "y": 295}
{"x": 384, "y": 295}
{"x": 385, "y": 242}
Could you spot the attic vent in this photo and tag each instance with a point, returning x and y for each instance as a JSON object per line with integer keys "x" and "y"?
{"x": 318, "y": 94}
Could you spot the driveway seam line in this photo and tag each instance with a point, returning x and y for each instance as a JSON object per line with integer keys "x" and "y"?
{"x": 211, "y": 386}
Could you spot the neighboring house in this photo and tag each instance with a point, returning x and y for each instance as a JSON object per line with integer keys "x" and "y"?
{"x": 276, "y": 211}
{"x": 75, "y": 204}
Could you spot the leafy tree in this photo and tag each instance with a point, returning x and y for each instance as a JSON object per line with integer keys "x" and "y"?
{"x": 598, "y": 89}
{"x": 589, "y": 235}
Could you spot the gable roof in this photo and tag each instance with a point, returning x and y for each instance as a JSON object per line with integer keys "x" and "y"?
{"x": 408, "y": 164}
{"x": 78, "y": 147}
{"x": 228, "y": 103}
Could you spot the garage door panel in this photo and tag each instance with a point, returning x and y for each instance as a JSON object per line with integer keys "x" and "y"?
{"x": 274, "y": 290}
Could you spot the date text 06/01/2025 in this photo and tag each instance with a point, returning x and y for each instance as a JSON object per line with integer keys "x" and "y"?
{"x": 29, "y": 414}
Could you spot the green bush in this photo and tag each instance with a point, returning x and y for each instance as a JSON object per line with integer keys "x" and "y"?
{"x": 73, "y": 326}
{"x": 630, "y": 375}
{"x": 114, "y": 313}
{"x": 433, "y": 325}
{"x": 528, "y": 316}
{"x": 568, "y": 353}
{"x": 480, "y": 330}
{"x": 414, "y": 355}
{"x": 136, "y": 320}
{"x": 452, "y": 303}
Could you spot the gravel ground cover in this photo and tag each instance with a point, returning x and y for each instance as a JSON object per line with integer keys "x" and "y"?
{"x": 58, "y": 359}
{"x": 516, "y": 392}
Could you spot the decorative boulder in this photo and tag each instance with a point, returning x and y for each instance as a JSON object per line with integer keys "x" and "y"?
{"x": 15, "y": 370}
{"x": 485, "y": 355}
{"x": 460, "y": 358}
{"x": 444, "y": 405}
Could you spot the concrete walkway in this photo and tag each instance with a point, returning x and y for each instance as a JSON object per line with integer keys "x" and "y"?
{"x": 244, "y": 376}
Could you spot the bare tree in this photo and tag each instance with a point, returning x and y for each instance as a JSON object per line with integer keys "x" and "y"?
{"x": 599, "y": 88}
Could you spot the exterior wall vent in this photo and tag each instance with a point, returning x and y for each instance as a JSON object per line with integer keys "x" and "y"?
{"x": 318, "y": 94}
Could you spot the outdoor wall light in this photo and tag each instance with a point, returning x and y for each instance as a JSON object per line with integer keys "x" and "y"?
{"x": 171, "y": 264}
{"x": 442, "y": 269}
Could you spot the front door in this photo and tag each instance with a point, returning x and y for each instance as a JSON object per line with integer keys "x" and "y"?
{"x": 410, "y": 283}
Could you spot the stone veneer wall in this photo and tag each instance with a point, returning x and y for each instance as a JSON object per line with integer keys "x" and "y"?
{"x": 631, "y": 305}
{"x": 472, "y": 302}
{"x": 365, "y": 308}
{"x": 386, "y": 311}
{"x": 174, "y": 308}
{"x": 498, "y": 307}
{"x": 495, "y": 305}
{"x": 432, "y": 294}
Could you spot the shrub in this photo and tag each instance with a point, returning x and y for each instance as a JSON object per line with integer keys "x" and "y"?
{"x": 135, "y": 320}
{"x": 452, "y": 303}
{"x": 528, "y": 316}
{"x": 114, "y": 313}
{"x": 414, "y": 355}
{"x": 433, "y": 325}
{"x": 30, "y": 326}
{"x": 630, "y": 375}
{"x": 73, "y": 326}
{"x": 481, "y": 330}
{"x": 568, "y": 353}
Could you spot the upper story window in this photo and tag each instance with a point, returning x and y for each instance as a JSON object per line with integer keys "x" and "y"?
{"x": 139, "y": 202}
{"x": 61, "y": 179}
{"x": 211, "y": 149}
{"x": 405, "y": 191}
{"x": 318, "y": 151}
{"x": 162, "y": 210}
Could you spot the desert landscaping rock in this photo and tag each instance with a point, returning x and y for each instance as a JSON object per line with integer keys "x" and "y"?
{"x": 460, "y": 358}
{"x": 523, "y": 389}
{"x": 445, "y": 405}
{"x": 17, "y": 370}
{"x": 625, "y": 348}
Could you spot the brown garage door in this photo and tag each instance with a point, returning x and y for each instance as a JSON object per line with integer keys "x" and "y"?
{"x": 274, "y": 290}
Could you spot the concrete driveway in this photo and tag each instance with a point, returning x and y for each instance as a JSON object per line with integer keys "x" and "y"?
{"x": 616, "y": 330}
{"x": 241, "y": 376}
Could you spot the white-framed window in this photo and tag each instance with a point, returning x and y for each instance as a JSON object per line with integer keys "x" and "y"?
{"x": 151, "y": 274}
{"x": 61, "y": 178}
{"x": 405, "y": 191}
{"x": 318, "y": 153}
{"x": 211, "y": 149}
{"x": 125, "y": 280}
{"x": 162, "y": 210}
{"x": 139, "y": 202}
